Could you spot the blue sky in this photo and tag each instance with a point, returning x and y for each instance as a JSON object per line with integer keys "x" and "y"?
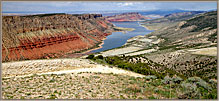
{"x": 58, "y": 6}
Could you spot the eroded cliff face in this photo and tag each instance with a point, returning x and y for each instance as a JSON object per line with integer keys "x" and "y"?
{"x": 51, "y": 35}
{"x": 127, "y": 17}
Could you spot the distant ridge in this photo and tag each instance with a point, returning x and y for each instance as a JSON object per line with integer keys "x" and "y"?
{"x": 131, "y": 16}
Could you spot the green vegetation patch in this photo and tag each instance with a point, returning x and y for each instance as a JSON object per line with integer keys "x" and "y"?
{"x": 203, "y": 21}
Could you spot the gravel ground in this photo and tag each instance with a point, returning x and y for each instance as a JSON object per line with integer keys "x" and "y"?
{"x": 78, "y": 86}
{"x": 212, "y": 51}
{"x": 98, "y": 69}
{"x": 41, "y": 66}
{"x": 58, "y": 66}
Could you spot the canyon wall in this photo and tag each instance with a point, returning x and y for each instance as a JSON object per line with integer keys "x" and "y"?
{"x": 133, "y": 16}
{"x": 51, "y": 35}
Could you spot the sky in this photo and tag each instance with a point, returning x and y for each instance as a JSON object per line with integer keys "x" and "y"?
{"x": 58, "y": 6}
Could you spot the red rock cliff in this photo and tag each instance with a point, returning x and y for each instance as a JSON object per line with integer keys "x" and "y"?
{"x": 51, "y": 35}
{"x": 127, "y": 17}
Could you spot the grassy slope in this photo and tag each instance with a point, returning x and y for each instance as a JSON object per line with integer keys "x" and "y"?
{"x": 98, "y": 86}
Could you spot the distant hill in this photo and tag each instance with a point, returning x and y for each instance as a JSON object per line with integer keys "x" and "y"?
{"x": 182, "y": 14}
{"x": 175, "y": 17}
{"x": 133, "y": 16}
{"x": 162, "y": 12}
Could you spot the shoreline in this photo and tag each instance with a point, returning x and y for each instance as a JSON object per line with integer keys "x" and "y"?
{"x": 99, "y": 46}
{"x": 86, "y": 52}
{"x": 146, "y": 27}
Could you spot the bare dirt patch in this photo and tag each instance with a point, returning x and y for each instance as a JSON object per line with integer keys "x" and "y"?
{"x": 141, "y": 52}
{"x": 212, "y": 51}
{"x": 58, "y": 66}
{"x": 120, "y": 51}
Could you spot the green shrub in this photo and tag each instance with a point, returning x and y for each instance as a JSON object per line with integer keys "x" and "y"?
{"x": 99, "y": 57}
{"x": 150, "y": 77}
{"x": 142, "y": 68}
{"x": 91, "y": 56}
{"x": 133, "y": 89}
{"x": 190, "y": 91}
{"x": 199, "y": 82}
{"x": 212, "y": 81}
{"x": 211, "y": 95}
{"x": 176, "y": 79}
{"x": 167, "y": 80}
{"x": 52, "y": 96}
{"x": 189, "y": 86}
{"x": 152, "y": 97}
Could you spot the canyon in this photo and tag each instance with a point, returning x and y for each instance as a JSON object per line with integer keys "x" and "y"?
{"x": 51, "y": 35}
{"x": 178, "y": 60}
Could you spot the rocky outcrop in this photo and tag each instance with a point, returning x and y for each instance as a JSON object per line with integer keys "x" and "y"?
{"x": 51, "y": 35}
{"x": 127, "y": 17}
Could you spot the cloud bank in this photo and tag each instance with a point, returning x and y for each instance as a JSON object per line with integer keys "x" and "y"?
{"x": 58, "y": 6}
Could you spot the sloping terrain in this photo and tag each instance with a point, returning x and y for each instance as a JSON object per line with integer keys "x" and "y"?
{"x": 199, "y": 31}
{"x": 187, "y": 47}
{"x": 126, "y": 17}
{"x": 51, "y": 35}
{"x": 184, "y": 46}
{"x": 169, "y": 19}
{"x": 112, "y": 83}
{"x": 58, "y": 66}
{"x": 175, "y": 17}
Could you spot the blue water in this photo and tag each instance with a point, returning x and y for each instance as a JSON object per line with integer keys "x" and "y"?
{"x": 118, "y": 39}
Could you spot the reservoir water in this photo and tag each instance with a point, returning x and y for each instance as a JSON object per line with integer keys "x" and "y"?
{"x": 117, "y": 39}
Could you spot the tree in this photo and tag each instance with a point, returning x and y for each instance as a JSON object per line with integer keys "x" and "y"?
{"x": 91, "y": 56}
{"x": 99, "y": 57}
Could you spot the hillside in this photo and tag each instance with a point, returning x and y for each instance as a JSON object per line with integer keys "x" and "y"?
{"x": 162, "y": 12}
{"x": 186, "y": 48}
{"x": 126, "y": 17}
{"x": 85, "y": 79}
{"x": 169, "y": 18}
{"x": 198, "y": 29}
{"x": 51, "y": 35}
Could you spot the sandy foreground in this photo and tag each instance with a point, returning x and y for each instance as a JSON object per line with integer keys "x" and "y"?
{"x": 58, "y": 66}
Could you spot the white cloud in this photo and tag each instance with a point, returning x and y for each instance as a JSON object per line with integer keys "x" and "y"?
{"x": 128, "y": 4}
{"x": 61, "y": 4}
